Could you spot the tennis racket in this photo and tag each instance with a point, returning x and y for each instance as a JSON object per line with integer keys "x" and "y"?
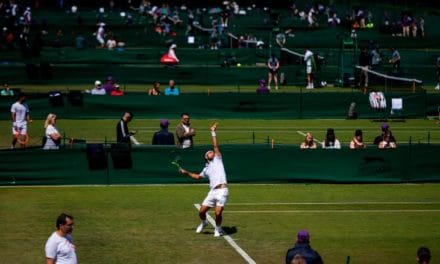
{"x": 176, "y": 159}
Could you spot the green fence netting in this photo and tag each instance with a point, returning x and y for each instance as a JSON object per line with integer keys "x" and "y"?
{"x": 243, "y": 163}
{"x": 227, "y": 105}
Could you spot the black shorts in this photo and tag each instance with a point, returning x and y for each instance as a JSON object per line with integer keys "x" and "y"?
{"x": 273, "y": 72}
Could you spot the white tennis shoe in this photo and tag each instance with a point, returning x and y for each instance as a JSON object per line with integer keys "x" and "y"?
{"x": 201, "y": 227}
{"x": 218, "y": 232}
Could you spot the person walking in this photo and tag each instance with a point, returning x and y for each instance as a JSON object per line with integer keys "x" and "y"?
{"x": 59, "y": 246}
{"x": 20, "y": 118}
{"x": 122, "y": 133}
{"x": 310, "y": 64}
{"x": 218, "y": 195}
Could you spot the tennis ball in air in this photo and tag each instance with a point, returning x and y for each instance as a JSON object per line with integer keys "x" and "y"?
{"x": 238, "y": 64}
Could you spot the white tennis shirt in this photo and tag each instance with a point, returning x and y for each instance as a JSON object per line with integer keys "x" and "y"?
{"x": 215, "y": 172}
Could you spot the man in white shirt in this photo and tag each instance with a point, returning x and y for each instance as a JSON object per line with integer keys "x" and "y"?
{"x": 218, "y": 194}
{"x": 185, "y": 132}
{"x": 98, "y": 90}
{"x": 308, "y": 59}
{"x": 20, "y": 118}
{"x": 59, "y": 247}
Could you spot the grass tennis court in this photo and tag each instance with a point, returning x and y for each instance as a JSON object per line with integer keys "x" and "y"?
{"x": 155, "y": 224}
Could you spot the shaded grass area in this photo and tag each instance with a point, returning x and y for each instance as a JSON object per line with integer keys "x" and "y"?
{"x": 155, "y": 224}
{"x": 237, "y": 131}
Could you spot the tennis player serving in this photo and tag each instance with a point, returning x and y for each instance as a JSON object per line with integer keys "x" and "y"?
{"x": 218, "y": 194}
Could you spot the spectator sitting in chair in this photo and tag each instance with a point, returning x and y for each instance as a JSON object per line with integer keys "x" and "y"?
{"x": 117, "y": 91}
{"x": 163, "y": 136}
{"x": 155, "y": 90}
{"x": 384, "y": 128}
{"x": 6, "y": 91}
{"x": 172, "y": 89}
{"x": 387, "y": 141}
{"x": 262, "y": 89}
{"x": 331, "y": 142}
{"x": 309, "y": 142}
{"x": 98, "y": 90}
{"x": 357, "y": 142}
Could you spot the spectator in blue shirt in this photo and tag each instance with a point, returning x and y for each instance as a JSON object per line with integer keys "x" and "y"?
{"x": 302, "y": 248}
{"x": 172, "y": 89}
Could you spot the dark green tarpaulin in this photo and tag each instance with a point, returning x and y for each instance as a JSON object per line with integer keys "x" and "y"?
{"x": 226, "y": 105}
{"x": 243, "y": 163}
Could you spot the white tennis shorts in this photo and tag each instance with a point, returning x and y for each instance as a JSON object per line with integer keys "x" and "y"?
{"x": 309, "y": 69}
{"x": 20, "y": 128}
{"x": 216, "y": 197}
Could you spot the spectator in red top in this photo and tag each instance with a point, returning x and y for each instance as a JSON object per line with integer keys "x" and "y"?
{"x": 117, "y": 91}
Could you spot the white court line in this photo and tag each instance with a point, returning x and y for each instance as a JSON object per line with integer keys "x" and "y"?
{"x": 335, "y": 203}
{"x": 335, "y": 211}
{"x": 304, "y": 134}
{"x": 230, "y": 240}
{"x": 134, "y": 140}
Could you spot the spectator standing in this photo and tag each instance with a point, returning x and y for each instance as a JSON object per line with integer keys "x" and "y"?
{"x": 357, "y": 142}
{"x": 280, "y": 39}
{"x": 309, "y": 142}
{"x": 273, "y": 64}
{"x": 109, "y": 86}
{"x": 262, "y": 89}
{"x": 20, "y": 118}
{"x": 155, "y": 90}
{"x": 53, "y": 137}
{"x": 423, "y": 255}
{"x": 395, "y": 59}
{"x": 302, "y": 247}
{"x": 330, "y": 141}
{"x": 185, "y": 132}
{"x": 365, "y": 62}
{"x": 172, "y": 89}
{"x": 375, "y": 57}
{"x": 163, "y": 136}
{"x": 100, "y": 34}
{"x": 98, "y": 90}
{"x": 310, "y": 64}
{"x": 80, "y": 42}
{"x": 6, "y": 91}
{"x": 59, "y": 247}
{"x": 122, "y": 133}
{"x": 172, "y": 57}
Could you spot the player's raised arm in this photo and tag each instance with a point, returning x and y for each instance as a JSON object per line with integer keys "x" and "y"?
{"x": 215, "y": 140}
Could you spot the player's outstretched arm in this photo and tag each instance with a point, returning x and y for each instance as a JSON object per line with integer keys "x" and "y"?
{"x": 215, "y": 140}
{"x": 193, "y": 175}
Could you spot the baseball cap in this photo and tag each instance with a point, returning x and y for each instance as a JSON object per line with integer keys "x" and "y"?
{"x": 164, "y": 122}
{"x": 97, "y": 82}
{"x": 303, "y": 236}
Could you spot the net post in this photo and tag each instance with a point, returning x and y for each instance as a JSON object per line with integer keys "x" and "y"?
{"x": 414, "y": 86}
{"x": 253, "y": 137}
